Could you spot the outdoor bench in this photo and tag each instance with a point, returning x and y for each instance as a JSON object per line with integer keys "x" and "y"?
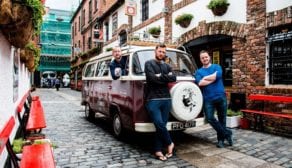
{"x": 33, "y": 120}
{"x": 36, "y": 120}
{"x": 23, "y": 104}
{"x": 258, "y": 114}
{"x": 36, "y": 155}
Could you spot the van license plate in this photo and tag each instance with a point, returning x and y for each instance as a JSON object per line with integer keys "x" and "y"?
{"x": 183, "y": 125}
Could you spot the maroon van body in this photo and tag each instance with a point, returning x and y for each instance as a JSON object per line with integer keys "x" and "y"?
{"x": 122, "y": 101}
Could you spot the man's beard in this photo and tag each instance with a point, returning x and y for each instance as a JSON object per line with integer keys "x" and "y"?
{"x": 159, "y": 59}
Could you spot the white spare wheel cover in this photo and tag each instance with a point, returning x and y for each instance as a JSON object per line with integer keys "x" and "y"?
{"x": 187, "y": 101}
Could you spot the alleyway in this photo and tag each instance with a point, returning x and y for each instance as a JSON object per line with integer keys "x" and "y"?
{"x": 85, "y": 144}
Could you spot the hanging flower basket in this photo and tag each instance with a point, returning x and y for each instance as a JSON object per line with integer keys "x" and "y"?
{"x": 154, "y": 31}
{"x": 20, "y": 20}
{"x": 5, "y": 11}
{"x": 20, "y": 30}
{"x": 218, "y": 7}
{"x": 25, "y": 54}
{"x": 156, "y": 35}
{"x": 30, "y": 55}
{"x": 19, "y": 37}
{"x": 184, "y": 20}
{"x": 185, "y": 24}
{"x": 219, "y": 11}
{"x": 30, "y": 64}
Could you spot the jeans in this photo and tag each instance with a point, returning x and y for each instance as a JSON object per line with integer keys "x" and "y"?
{"x": 219, "y": 125}
{"x": 158, "y": 111}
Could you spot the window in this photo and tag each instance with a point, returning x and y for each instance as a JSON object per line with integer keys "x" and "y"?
{"x": 123, "y": 37}
{"x": 180, "y": 63}
{"x": 79, "y": 24}
{"x": 75, "y": 28}
{"x": 83, "y": 17}
{"x": 83, "y": 43}
{"x": 115, "y": 21}
{"x": 103, "y": 68}
{"x": 95, "y": 5}
{"x": 89, "y": 42}
{"x": 90, "y": 11}
{"x": 89, "y": 72}
{"x": 106, "y": 31}
{"x": 145, "y": 10}
{"x": 280, "y": 58}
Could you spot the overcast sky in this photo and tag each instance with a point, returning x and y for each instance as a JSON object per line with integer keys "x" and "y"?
{"x": 67, "y": 5}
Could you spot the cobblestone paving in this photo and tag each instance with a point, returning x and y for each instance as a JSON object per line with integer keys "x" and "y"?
{"x": 271, "y": 148}
{"x": 84, "y": 144}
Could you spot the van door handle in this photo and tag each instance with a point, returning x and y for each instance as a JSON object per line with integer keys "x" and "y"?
{"x": 109, "y": 87}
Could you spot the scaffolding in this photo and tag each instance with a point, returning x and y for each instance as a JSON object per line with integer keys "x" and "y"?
{"x": 55, "y": 40}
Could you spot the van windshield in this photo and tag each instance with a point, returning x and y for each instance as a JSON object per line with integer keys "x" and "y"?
{"x": 180, "y": 63}
{"x": 48, "y": 74}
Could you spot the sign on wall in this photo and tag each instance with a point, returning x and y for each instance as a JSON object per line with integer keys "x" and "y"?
{"x": 98, "y": 36}
{"x": 131, "y": 8}
{"x": 15, "y": 74}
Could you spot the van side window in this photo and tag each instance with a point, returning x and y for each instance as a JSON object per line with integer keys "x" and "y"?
{"x": 89, "y": 72}
{"x": 137, "y": 69}
{"x": 126, "y": 65}
{"x": 120, "y": 68}
{"x": 102, "y": 68}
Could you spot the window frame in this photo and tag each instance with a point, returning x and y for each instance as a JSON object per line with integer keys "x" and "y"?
{"x": 114, "y": 22}
{"x": 92, "y": 70}
{"x": 279, "y": 60}
{"x": 144, "y": 10}
{"x": 102, "y": 68}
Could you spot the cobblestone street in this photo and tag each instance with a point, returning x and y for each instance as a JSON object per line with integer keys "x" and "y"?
{"x": 81, "y": 143}
{"x": 84, "y": 144}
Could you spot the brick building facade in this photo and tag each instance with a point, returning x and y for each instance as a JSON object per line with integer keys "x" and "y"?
{"x": 245, "y": 40}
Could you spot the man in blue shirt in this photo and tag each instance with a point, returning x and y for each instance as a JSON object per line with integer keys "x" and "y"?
{"x": 118, "y": 65}
{"x": 209, "y": 78}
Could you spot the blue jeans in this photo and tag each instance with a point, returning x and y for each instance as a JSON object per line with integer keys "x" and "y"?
{"x": 219, "y": 125}
{"x": 158, "y": 111}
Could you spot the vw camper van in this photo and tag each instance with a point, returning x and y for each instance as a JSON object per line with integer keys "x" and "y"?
{"x": 122, "y": 101}
{"x": 48, "y": 78}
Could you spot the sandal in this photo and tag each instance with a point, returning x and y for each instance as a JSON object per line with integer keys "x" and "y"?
{"x": 160, "y": 156}
{"x": 170, "y": 154}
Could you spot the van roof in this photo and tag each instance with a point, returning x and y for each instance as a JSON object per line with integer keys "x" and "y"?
{"x": 129, "y": 49}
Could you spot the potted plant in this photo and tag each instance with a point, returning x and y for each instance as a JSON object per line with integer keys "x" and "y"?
{"x": 17, "y": 146}
{"x": 19, "y": 143}
{"x": 233, "y": 118}
{"x": 154, "y": 31}
{"x": 218, "y": 7}
{"x": 184, "y": 20}
{"x": 109, "y": 49}
{"x": 34, "y": 53}
{"x": 134, "y": 38}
